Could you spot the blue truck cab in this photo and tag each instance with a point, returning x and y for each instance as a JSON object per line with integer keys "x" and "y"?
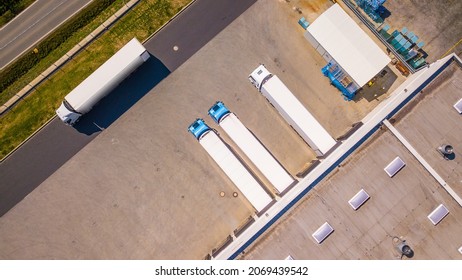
{"x": 218, "y": 111}
{"x": 198, "y": 128}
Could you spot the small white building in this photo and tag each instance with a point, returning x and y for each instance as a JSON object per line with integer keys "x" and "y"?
{"x": 353, "y": 57}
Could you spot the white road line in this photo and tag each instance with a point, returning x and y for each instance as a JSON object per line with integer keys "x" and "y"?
{"x": 17, "y": 16}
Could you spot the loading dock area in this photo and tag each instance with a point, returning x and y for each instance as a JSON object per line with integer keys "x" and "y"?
{"x": 398, "y": 206}
{"x": 406, "y": 206}
{"x": 145, "y": 181}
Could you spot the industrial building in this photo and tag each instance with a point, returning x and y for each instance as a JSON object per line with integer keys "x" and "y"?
{"x": 352, "y": 57}
{"x": 412, "y": 206}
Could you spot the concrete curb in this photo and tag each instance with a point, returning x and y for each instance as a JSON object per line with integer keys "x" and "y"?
{"x": 65, "y": 58}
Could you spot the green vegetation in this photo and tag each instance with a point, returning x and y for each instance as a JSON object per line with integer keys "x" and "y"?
{"x": 11, "y": 8}
{"x": 57, "y": 53}
{"x": 27, "y": 61}
{"x": 38, "y": 107}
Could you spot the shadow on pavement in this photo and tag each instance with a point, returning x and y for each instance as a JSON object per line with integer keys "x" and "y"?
{"x": 380, "y": 85}
{"x": 56, "y": 143}
{"x": 122, "y": 98}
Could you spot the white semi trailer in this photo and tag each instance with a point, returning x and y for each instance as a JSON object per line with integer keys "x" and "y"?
{"x": 231, "y": 165}
{"x": 101, "y": 82}
{"x": 252, "y": 147}
{"x": 290, "y": 108}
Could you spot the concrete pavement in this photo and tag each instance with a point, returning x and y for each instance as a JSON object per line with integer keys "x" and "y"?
{"x": 189, "y": 32}
{"x": 36, "y": 160}
{"x": 146, "y": 182}
{"x": 57, "y": 143}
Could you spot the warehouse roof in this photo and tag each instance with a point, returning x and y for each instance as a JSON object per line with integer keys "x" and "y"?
{"x": 348, "y": 44}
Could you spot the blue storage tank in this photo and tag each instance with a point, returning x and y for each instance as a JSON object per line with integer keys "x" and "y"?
{"x": 303, "y": 23}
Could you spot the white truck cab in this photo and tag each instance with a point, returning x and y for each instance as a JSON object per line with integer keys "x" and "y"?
{"x": 67, "y": 114}
{"x": 259, "y": 76}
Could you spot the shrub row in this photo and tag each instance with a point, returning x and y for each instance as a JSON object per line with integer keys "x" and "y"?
{"x": 11, "y": 8}
{"x": 18, "y": 68}
{"x": 6, "y": 17}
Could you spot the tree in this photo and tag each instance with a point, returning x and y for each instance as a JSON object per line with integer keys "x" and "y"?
{"x": 6, "y": 5}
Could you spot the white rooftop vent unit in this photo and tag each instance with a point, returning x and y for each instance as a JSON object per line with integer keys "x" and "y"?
{"x": 458, "y": 106}
{"x": 438, "y": 214}
{"x": 359, "y": 199}
{"x": 323, "y": 232}
{"x": 394, "y": 167}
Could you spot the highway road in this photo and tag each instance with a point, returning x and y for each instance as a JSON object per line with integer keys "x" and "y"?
{"x": 34, "y": 23}
{"x": 41, "y": 156}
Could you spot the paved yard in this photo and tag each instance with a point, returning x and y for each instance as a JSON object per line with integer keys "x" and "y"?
{"x": 145, "y": 188}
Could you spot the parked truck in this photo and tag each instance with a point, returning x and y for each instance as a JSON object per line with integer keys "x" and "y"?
{"x": 101, "y": 82}
{"x": 290, "y": 108}
{"x": 252, "y": 147}
{"x": 231, "y": 165}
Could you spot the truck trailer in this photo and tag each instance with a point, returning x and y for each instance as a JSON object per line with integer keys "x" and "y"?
{"x": 101, "y": 82}
{"x": 252, "y": 147}
{"x": 290, "y": 108}
{"x": 231, "y": 165}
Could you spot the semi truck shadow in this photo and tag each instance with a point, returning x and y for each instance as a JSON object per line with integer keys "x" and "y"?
{"x": 123, "y": 97}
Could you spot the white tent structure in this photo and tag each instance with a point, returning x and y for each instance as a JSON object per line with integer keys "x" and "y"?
{"x": 337, "y": 37}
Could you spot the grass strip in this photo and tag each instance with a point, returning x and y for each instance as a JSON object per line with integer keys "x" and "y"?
{"x": 38, "y": 107}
